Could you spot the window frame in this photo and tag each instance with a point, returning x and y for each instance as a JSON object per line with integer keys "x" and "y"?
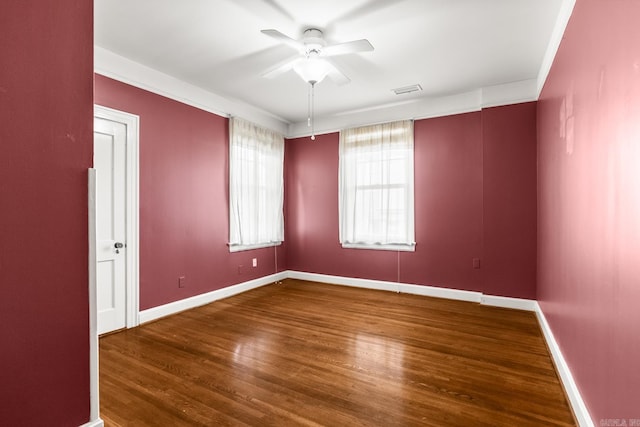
{"x": 377, "y": 140}
{"x": 247, "y": 137}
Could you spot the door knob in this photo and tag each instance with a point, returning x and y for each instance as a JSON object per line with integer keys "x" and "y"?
{"x": 119, "y": 245}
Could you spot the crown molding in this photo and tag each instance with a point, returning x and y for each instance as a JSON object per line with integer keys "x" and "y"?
{"x": 566, "y": 9}
{"x": 423, "y": 108}
{"x": 135, "y": 74}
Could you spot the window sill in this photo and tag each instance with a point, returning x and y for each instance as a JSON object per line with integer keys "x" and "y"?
{"x": 239, "y": 248}
{"x": 380, "y": 247}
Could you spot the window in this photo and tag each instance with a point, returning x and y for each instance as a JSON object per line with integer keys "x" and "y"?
{"x": 256, "y": 186}
{"x": 376, "y": 187}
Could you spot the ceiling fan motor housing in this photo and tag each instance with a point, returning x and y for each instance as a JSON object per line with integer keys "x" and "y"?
{"x": 313, "y": 40}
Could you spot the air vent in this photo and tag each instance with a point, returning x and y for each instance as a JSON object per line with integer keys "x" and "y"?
{"x": 407, "y": 89}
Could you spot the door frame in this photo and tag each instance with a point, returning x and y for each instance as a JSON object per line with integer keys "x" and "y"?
{"x": 132, "y": 233}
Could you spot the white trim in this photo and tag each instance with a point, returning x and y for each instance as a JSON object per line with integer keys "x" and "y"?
{"x": 506, "y": 302}
{"x": 566, "y": 9}
{"x": 380, "y": 247}
{"x": 423, "y": 108}
{"x": 438, "y": 292}
{"x": 94, "y": 423}
{"x": 132, "y": 123}
{"x": 415, "y": 108}
{"x": 94, "y": 392}
{"x": 573, "y": 393}
{"x": 240, "y": 248}
{"x": 509, "y": 93}
{"x": 424, "y": 290}
{"x": 135, "y": 74}
{"x": 199, "y": 300}
{"x": 430, "y": 291}
{"x": 344, "y": 281}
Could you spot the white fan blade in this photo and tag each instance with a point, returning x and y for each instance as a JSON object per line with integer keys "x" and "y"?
{"x": 337, "y": 76}
{"x": 284, "y": 39}
{"x": 355, "y": 46}
{"x": 269, "y": 10}
{"x": 282, "y": 67}
{"x": 366, "y": 8}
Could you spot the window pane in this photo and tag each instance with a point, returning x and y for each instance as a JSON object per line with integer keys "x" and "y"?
{"x": 255, "y": 185}
{"x": 376, "y": 184}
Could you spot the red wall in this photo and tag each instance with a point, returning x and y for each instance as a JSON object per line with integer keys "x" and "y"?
{"x": 448, "y": 203}
{"x": 509, "y": 208}
{"x": 457, "y": 217}
{"x": 46, "y": 145}
{"x": 589, "y": 204}
{"x": 184, "y": 220}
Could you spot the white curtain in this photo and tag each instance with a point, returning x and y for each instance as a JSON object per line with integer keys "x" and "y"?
{"x": 376, "y": 196}
{"x": 256, "y": 186}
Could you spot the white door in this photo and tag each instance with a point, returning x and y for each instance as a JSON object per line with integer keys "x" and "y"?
{"x": 109, "y": 160}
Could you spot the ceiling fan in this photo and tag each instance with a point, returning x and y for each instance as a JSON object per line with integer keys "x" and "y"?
{"x": 312, "y": 63}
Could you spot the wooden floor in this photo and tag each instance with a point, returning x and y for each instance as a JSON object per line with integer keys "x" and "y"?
{"x": 303, "y": 353}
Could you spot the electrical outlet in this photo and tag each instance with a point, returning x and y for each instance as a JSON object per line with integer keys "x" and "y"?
{"x": 476, "y": 263}
{"x": 240, "y": 268}
{"x": 181, "y": 282}
{"x": 255, "y": 262}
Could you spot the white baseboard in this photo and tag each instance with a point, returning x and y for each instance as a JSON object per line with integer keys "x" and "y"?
{"x": 434, "y": 291}
{"x": 429, "y": 291}
{"x": 406, "y": 288}
{"x": 575, "y": 399}
{"x": 199, "y": 300}
{"x": 344, "y": 281}
{"x": 505, "y": 302}
{"x": 94, "y": 423}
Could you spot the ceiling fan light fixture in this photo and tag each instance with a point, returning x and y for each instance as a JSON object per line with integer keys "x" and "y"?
{"x": 312, "y": 49}
{"x": 313, "y": 69}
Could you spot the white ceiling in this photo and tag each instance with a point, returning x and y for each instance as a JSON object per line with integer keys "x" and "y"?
{"x": 449, "y": 47}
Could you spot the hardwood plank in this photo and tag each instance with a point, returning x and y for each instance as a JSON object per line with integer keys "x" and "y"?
{"x": 304, "y": 353}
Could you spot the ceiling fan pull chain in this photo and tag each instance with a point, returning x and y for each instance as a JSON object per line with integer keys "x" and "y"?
{"x": 309, "y": 106}
{"x": 313, "y": 133}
